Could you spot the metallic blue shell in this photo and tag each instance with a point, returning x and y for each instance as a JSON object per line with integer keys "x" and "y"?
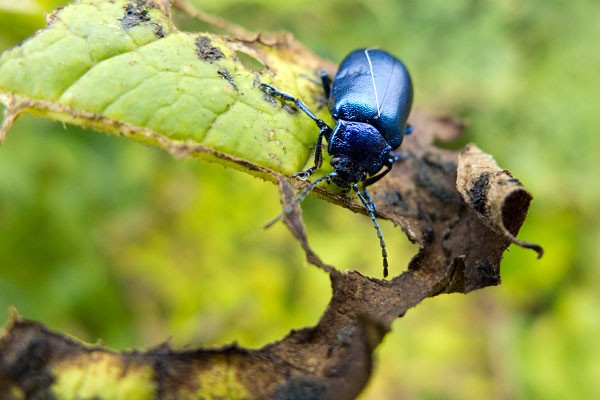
{"x": 353, "y": 96}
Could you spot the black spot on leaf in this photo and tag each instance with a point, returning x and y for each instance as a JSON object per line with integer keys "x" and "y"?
{"x": 225, "y": 74}
{"x": 158, "y": 30}
{"x": 134, "y": 15}
{"x": 299, "y": 389}
{"x": 206, "y": 51}
{"x": 478, "y": 193}
{"x": 487, "y": 273}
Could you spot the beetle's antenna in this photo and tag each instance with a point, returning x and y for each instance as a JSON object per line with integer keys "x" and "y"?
{"x": 373, "y": 80}
{"x": 298, "y": 199}
{"x": 370, "y": 208}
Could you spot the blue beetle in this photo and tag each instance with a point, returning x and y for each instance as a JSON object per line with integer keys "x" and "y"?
{"x": 370, "y": 99}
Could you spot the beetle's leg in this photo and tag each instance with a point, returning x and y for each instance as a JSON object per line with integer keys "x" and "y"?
{"x": 284, "y": 96}
{"x": 369, "y": 199}
{"x": 326, "y": 84}
{"x": 408, "y": 129}
{"x": 368, "y": 206}
{"x": 375, "y": 178}
{"x": 395, "y": 156}
{"x": 318, "y": 155}
{"x": 298, "y": 199}
{"x": 324, "y": 132}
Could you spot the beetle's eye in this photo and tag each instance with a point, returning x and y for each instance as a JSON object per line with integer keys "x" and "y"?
{"x": 334, "y": 161}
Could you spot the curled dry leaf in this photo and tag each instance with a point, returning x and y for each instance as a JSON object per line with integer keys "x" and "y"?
{"x": 449, "y": 203}
{"x": 493, "y": 193}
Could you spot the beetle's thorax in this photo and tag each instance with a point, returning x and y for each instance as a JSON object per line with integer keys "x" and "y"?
{"x": 357, "y": 150}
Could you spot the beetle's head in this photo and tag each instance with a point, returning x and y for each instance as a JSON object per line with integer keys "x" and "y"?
{"x": 347, "y": 171}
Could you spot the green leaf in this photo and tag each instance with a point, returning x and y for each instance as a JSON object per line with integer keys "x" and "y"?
{"x": 123, "y": 68}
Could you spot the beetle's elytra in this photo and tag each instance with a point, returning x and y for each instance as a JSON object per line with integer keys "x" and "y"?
{"x": 369, "y": 99}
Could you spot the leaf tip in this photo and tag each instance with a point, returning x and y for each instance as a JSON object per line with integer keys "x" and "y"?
{"x": 14, "y": 314}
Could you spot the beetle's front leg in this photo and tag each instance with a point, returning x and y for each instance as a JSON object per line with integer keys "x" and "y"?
{"x": 325, "y": 131}
{"x": 284, "y": 96}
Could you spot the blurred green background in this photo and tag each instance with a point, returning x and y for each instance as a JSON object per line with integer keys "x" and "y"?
{"x": 105, "y": 238}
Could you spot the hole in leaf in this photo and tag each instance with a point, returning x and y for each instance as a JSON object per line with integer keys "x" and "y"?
{"x": 250, "y": 62}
